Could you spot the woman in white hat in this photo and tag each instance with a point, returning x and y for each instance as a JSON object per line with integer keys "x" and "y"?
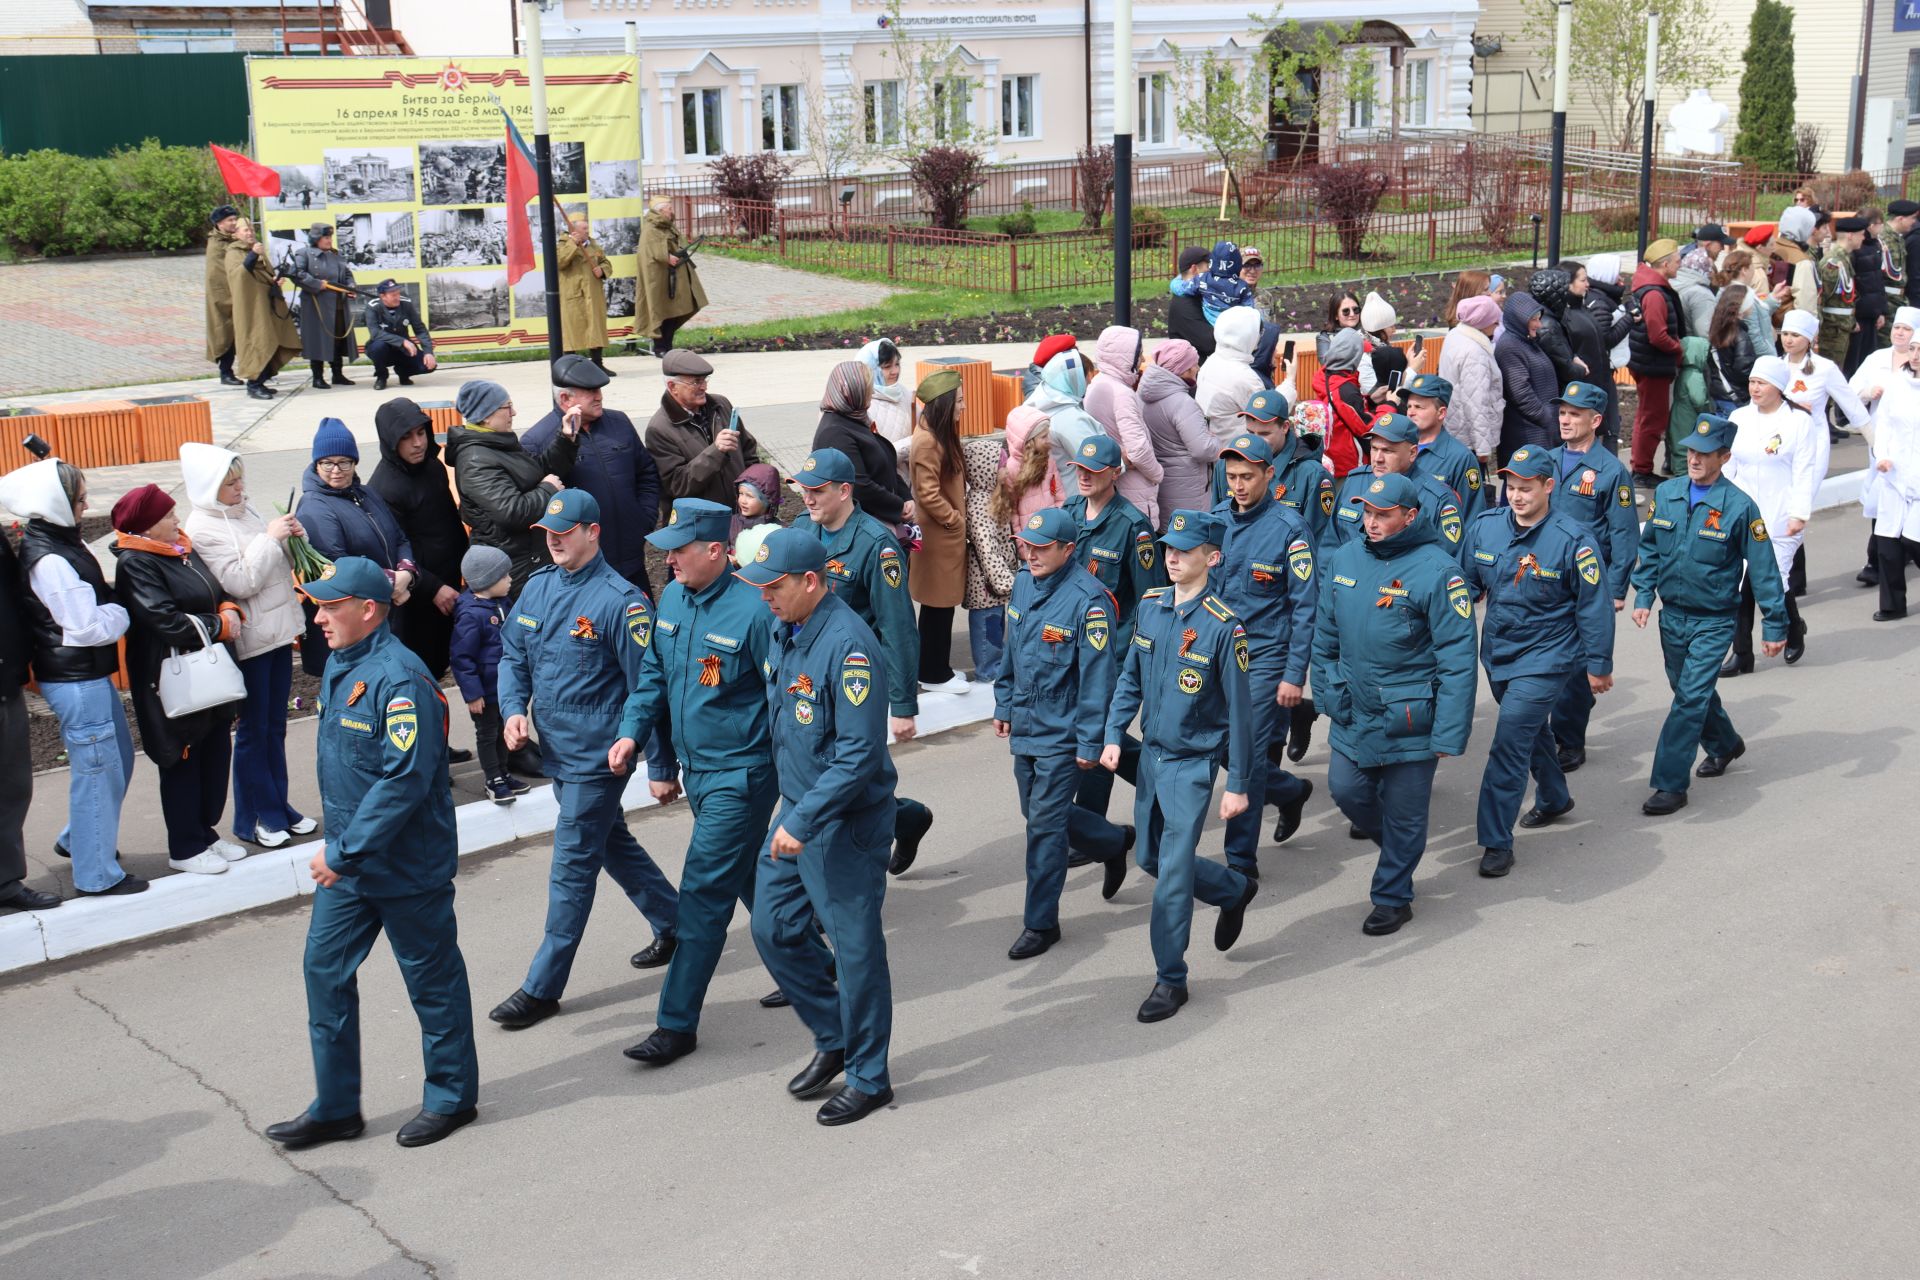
{"x": 1775, "y": 462}
{"x": 1888, "y": 381}
{"x": 1383, "y": 360}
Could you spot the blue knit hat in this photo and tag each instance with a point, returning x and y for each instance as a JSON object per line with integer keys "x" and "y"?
{"x": 333, "y": 440}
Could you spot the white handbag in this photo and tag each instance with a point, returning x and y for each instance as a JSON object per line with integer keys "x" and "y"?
{"x": 207, "y": 677}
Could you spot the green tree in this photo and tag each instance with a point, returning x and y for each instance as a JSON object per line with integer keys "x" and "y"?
{"x": 1610, "y": 52}
{"x": 1766, "y": 91}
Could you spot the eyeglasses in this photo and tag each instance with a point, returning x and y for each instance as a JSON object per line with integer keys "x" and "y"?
{"x": 685, "y": 381}
{"x": 334, "y": 464}
{"x": 1349, "y": 311}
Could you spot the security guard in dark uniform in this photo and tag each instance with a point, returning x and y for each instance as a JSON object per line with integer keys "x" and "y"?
{"x": 1393, "y": 658}
{"x": 573, "y": 651}
{"x": 1050, "y": 703}
{"x": 1393, "y": 444}
{"x": 1548, "y": 614}
{"x": 702, "y": 679}
{"x": 868, "y": 572}
{"x": 1701, "y": 532}
{"x": 1596, "y": 489}
{"x": 388, "y": 864}
{"x": 1441, "y": 455}
{"x": 1300, "y": 479}
{"x": 1185, "y": 674}
{"x": 1265, "y": 576}
{"x": 827, "y": 696}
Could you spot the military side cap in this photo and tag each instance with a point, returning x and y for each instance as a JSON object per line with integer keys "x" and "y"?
{"x": 1432, "y": 386}
{"x": 1251, "y": 447}
{"x": 785, "y": 551}
{"x": 1903, "y": 208}
{"x": 568, "y": 509}
{"x": 824, "y": 467}
{"x": 1659, "y": 251}
{"x": 1097, "y": 453}
{"x": 685, "y": 364}
{"x": 1386, "y": 492}
{"x": 693, "y": 520}
{"x": 1190, "y": 529}
{"x": 1044, "y": 528}
{"x": 578, "y": 372}
{"x": 1395, "y": 428}
{"x": 1855, "y": 223}
{"x": 389, "y": 285}
{"x": 1583, "y": 395}
{"x": 351, "y": 577}
{"x": 1711, "y": 432}
{"x": 1529, "y": 463}
{"x": 1266, "y": 406}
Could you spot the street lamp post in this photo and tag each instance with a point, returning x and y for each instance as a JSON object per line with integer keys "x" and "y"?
{"x": 543, "y": 166}
{"x": 1646, "y": 128}
{"x": 1557, "y": 179}
{"x": 1122, "y": 162}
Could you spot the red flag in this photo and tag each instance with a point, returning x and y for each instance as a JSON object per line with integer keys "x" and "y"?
{"x": 522, "y": 186}
{"x": 245, "y": 177}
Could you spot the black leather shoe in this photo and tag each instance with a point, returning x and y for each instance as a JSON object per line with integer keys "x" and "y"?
{"x": 1538, "y": 817}
{"x": 1162, "y": 1004}
{"x": 818, "y": 1074}
{"x": 1355, "y": 833}
{"x": 257, "y": 392}
{"x": 656, "y": 953}
{"x": 1290, "y": 814}
{"x": 25, "y": 899}
{"x": 1032, "y": 942}
{"x": 521, "y": 1010}
{"x": 228, "y": 380}
{"x": 1796, "y": 648}
{"x": 1646, "y": 480}
{"x": 1662, "y": 803}
{"x": 1233, "y": 917}
{"x": 1868, "y": 577}
{"x": 1300, "y": 730}
{"x": 1495, "y": 863}
{"x": 662, "y": 1047}
{"x": 1889, "y": 615}
{"x": 1736, "y": 665}
{"x": 1714, "y": 766}
{"x": 850, "y": 1104}
{"x": 1384, "y": 920}
{"x": 305, "y": 1131}
{"x": 1116, "y": 870}
{"x": 458, "y": 755}
{"x": 906, "y": 844}
{"x": 775, "y": 999}
{"x": 319, "y": 383}
{"x": 1570, "y": 758}
{"x": 379, "y": 382}
{"x": 341, "y": 380}
{"x": 429, "y": 1127}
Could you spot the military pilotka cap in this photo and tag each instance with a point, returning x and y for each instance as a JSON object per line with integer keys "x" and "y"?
{"x": 1583, "y": 395}
{"x": 351, "y": 577}
{"x": 824, "y": 467}
{"x": 1383, "y": 493}
{"x": 569, "y": 509}
{"x": 1098, "y": 453}
{"x": 578, "y": 372}
{"x": 1529, "y": 463}
{"x": 1850, "y": 224}
{"x": 1266, "y": 406}
{"x": 693, "y": 520}
{"x": 1044, "y": 528}
{"x": 1711, "y": 433}
{"x": 1251, "y": 447}
{"x": 1394, "y": 428}
{"x": 1190, "y": 529}
{"x": 1430, "y": 386}
{"x": 785, "y": 551}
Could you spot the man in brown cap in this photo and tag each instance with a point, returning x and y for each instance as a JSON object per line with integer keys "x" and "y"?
{"x": 696, "y": 438}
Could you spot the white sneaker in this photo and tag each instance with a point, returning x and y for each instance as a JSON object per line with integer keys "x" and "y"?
{"x": 267, "y": 838}
{"x": 305, "y": 827}
{"x": 229, "y": 850}
{"x": 205, "y": 863}
{"x": 958, "y": 684}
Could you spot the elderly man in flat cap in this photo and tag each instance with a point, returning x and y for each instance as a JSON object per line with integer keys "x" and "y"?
{"x": 613, "y": 465}
{"x": 326, "y": 305}
{"x": 696, "y": 437}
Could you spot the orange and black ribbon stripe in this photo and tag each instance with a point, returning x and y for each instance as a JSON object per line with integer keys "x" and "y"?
{"x": 1713, "y": 519}
{"x": 1187, "y": 638}
{"x": 802, "y": 684}
{"x": 710, "y": 670}
{"x": 583, "y": 628}
{"x": 1386, "y": 600}
{"x": 359, "y": 691}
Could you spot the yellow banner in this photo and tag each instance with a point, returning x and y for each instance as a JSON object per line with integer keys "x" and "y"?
{"x": 406, "y": 158}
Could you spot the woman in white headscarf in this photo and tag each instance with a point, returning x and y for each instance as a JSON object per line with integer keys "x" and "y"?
{"x": 1887, "y": 380}
{"x": 1776, "y": 460}
{"x": 891, "y": 409}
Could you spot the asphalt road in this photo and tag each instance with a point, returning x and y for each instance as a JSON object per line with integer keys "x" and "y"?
{"x": 1677, "y": 1047}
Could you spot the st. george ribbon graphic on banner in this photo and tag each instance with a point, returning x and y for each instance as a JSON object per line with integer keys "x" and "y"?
{"x": 409, "y": 159}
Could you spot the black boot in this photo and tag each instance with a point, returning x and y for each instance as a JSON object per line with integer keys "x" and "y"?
{"x": 257, "y": 390}
{"x": 596, "y": 355}
{"x": 319, "y": 373}
{"x": 226, "y": 372}
{"x": 340, "y": 379}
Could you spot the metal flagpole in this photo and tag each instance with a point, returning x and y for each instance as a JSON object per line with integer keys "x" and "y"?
{"x": 1557, "y": 180}
{"x": 639, "y": 123}
{"x": 543, "y": 166}
{"x": 1123, "y": 162}
{"x": 1647, "y": 96}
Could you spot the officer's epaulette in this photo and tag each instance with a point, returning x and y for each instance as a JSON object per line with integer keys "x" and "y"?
{"x": 1217, "y": 607}
{"x": 1155, "y": 593}
{"x": 545, "y": 568}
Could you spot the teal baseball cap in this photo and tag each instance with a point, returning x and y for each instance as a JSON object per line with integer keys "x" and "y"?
{"x": 569, "y": 509}
{"x": 1098, "y": 453}
{"x": 785, "y": 551}
{"x": 351, "y": 577}
{"x": 1583, "y": 395}
{"x": 1249, "y": 446}
{"x": 1529, "y": 462}
{"x": 822, "y": 467}
{"x": 1430, "y": 385}
{"x": 693, "y": 520}
{"x": 1044, "y": 528}
{"x": 1395, "y": 428}
{"x": 1190, "y": 529}
{"x": 1386, "y": 492}
{"x": 1710, "y": 433}
{"x": 1266, "y": 406}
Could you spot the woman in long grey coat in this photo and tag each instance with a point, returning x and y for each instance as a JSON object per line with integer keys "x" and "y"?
{"x": 326, "y": 317}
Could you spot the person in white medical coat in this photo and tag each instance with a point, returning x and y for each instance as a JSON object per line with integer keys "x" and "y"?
{"x": 1777, "y": 462}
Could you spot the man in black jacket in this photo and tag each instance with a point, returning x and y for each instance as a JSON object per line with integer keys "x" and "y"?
{"x": 612, "y": 465}
{"x": 397, "y": 339}
{"x": 413, "y": 480}
{"x": 16, "y": 751}
{"x": 1185, "y": 317}
{"x": 1903, "y": 222}
{"x": 696, "y": 443}
{"x": 1870, "y": 307}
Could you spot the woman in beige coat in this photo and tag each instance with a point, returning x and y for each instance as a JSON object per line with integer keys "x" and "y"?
{"x": 937, "y": 568}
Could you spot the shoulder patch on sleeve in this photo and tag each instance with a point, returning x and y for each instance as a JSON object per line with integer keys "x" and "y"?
{"x": 1459, "y": 597}
{"x": 1759, "y": 530}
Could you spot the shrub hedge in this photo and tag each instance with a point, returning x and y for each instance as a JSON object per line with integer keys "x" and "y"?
{"x": 137, "y": 200}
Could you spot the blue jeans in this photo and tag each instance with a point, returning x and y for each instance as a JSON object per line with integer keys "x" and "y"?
{"x": 93, "y": 728}
{"x": 260, "y": 746}
{"x": 986, "y": 640}
{"x": 1389, "y": 802}
{"x": 1522, "y": 744}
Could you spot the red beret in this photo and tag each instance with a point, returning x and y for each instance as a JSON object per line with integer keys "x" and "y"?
{"x": 1052, "y": 346}
{"x": 141, "y": 509}
{"x": 1760, "y": 235}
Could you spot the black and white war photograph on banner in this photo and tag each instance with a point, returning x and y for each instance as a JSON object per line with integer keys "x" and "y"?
{"x": 569, "y": 168}
{"x": 616, "y": 235}
{"x": 562, "y": 219}
{"x": 302, "y": 186}
{"x": 370, "y": 175}
{"x": 463, "y": 172}
{"x": 467, "y": 299}
{"x": 463, "y": 237}
{"x": 280, "y": 246}
{"x": 380, "y": 240}
{"x": 613, "y": 179}
{"x": 530, "y": 296}
{"x": 619, "y": 296}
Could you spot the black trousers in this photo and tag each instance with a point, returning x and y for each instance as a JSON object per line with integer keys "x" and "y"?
{"x": 16, "y": 789}
{"x": 1749, "y": 607}
{"x": 487, "y": 729}
{"x": 936, "y": 645}
{"x": 428, "y": 632}
{"x": 664, "y": 343}
{"x": 391, "y": 357}
{"x": 193, "y": 792}
{"x": 1894, "y": 554}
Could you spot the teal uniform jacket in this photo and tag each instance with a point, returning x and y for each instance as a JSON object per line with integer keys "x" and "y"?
{"x": 868, "y": 572}
{"x": 573, "y": 648}
{"x": 1058, "y": 672}
{"x": 1548, "y": 612}
{"x": 1119, "y": 548}
{"x": 1265, "y": 575}
{"x": 382, "y": 749}
{"x": 1453, "y": 465}
{"x": 1302, "y": 482}
{"x": 1393, "y": 650}
{"x": 703, "y": 679}
{"x": 1190, "y": 691}
{"x": 1439, "y": 511}
{"x": 1596, "y": 489}
{"x": 827, "y": 696}
{"x": 1691, "y": 556}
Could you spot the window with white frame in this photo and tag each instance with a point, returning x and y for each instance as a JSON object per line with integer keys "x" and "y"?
{"x": 1417, "y": 82}
{"x": 780, "y": 117}
{"x": 1364, "y": 78}
{"x": 1153, "y": 109}
{"x": 702, "y": 122}
{"x": 952, "y": 109}
{"x": 186, "y": 39}
{"x": 882, "y": 112}
{"x": 1019, "y": 106}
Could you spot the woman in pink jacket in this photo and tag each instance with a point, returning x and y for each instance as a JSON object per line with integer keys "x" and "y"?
{"x": 1029, "y": 482}
{"x": 1114, "y": 404}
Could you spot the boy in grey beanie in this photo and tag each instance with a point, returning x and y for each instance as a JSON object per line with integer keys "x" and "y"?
{"x": 478, "y": 615}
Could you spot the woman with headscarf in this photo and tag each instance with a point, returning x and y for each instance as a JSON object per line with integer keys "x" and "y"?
{"x": 1775, "y": 462}
{"x": 1227, "y": 380}
{"x": 1479, "y": 395}
{"x": 937, "y": 568}
{"x": 1029, "y": 480}
{"x": 878, "y": 487}
{"x": 1222, "y": 287}
{"x": 1529, "y": 379}
{"x": 1182, "y": 441}
{"x": 891, "y": 409}
{"x": 1062, "y": 389}
{"x": 1113, "y": 403}
{"x": 1337, "y": 385}
{"x": 326, "y": 315}
{"x": 1050, "y": 346}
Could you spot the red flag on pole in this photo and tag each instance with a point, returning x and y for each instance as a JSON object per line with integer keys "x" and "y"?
{"x": 244, "y": 177}
{"x": 522, "y": 186}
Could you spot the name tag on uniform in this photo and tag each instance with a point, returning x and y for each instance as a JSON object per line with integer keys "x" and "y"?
{"x": 531, "y": 624}
{"x": 1013, "y": 613}
{"x": 1485, "y": 557}
{"x": 1198, "y": 659}
{"x": 1342, "y": 580}
{"x": 357, "y": 725}
{"x": 1102, "y": 553}
{"x": 1661, "y": 522}
{"x": 1718, "y": 535}
{"x": 1551, "y": 575}
{"x": 728, "y": 643}
{"x": 664, "y": 627}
